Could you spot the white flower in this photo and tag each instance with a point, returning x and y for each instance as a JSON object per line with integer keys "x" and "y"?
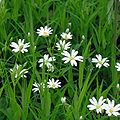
{"x": 18, "y": 71}
{"x": 37, "y": 86}
{"x": 44, "y": 31}
{"x": 63, "y": 100}
{"x": 62, "y": 45}
{"x": 80, "y": 117}
{"x": 51, "y": 68}
{"x": 96, "y": 105}
{"x": 100, "y": 61}
{"x": 53, "y": 84}
{"x": 67, "y": 30}
{"x": 71, "y": 57}
{"x": 69, "y": 24}
{"x": 111, "y": 109}
{"x": 46, "y": 60}
{"x": 118, "y": 86}
{"x": 66, "y": 36}
{"x": 34, "y": 47}
{"x": 83, "y": 37}
{"x": 28, "y": 34}
{"x": 118, "y": 66}
{"x": 20, "y": 46}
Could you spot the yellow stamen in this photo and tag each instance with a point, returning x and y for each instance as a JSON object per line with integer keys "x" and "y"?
{"x": 71, "y": 58}
{"x": 66, "y": 37}
{"x": 98, "y": 107}
{"x": 100, "y": 62}
{"x": 63, "y": 46}
{"x": 53, "y": 85}
{"x": 46, "y": 61}
{"x": 111, "y": 110}
{"x": 45, "y": 33}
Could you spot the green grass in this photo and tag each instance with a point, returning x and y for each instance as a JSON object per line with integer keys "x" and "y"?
{"x": 94, "y": 19}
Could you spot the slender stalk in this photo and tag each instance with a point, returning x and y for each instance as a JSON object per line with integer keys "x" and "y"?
{"x": 115, "y": 28}
{"x": 113, "y": 48}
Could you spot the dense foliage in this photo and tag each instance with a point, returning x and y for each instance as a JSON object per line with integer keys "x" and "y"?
{"x": 56, "y": 58}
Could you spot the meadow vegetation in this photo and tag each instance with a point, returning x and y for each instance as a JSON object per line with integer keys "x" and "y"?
{"x": 59, "y": 60}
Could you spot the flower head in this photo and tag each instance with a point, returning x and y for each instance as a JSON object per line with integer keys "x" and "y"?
{"x": 63, "y": 100}
{"x": 83, "y": 37}
{"x": 20, "y": 46}
{"x": 118, "y": 86}
{"x": 71, "y": 57}
{"x": 51, "y": 68}
{"x": 62, "y": 45}
{"x": 53, "y": 84}
{"x": 37, "y": 86}
{"x": 81, "y": 117}
{"x": 118, "y": 66}
{"x": 111, "y": 109}
{"x": 69, "y": 24}
{"x": 67, "y": 30}
{"x": 28, "y": 34}
{"x": 100, "y": 61}
{"x": 96, "y": 105}
{"x": 66, "y": 36}
{"x": 18, "y": 71}
{"x": 46, "y": 61}
{"x": 44, "y": 31}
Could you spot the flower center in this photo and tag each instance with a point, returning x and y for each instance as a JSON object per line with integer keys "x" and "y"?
{"x": 21, "y": 47}
{"x": 63, "y": 46}
{"x": 46, "y": 61}
{"x": 51, "y": 68}
{"x": 66, "y": 37}
{"x": 100, "y": 62}
{"x": 97, "y": 107}
{"x": 45, "y": 33}
{"x": 53, "y": 85}
{"x": 71, "y": 58}
{"x": 111, "y": 110}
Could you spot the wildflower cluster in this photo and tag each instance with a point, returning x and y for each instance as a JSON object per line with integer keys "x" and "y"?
{"x": 68, "y": 55}
{"x": 99, "y": 106}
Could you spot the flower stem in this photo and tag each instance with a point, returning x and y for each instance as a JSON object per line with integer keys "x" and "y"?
{"x": 115, "y": 28}
{"x": 113, "y": 46}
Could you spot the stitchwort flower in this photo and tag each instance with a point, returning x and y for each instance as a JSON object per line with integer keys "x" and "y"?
{"x": 111, "y": 109}
{"x": 66, "y": 36}
{"x": 100, "y": 61}
{"x": 51, "y": 68}
{"x": 46, "y": 60}
{"x": 81, "y": 117}
{"x": 118, "y": 86}
{"x": 63, "y": 100}
{"x": 67, "y": 30}
{"x": 44, "y": 31}
{"x": 83, "y": 37}
{"x": 62, "y": 45}
{"x": 37, "y": 86}
{"x": 118, "y": 66}
{"x": 53, "y": 84}
{"x": 72, "y": 58}
{"x": 20, "y": 46}
{"x": 18, "y": 71}
{"x": 96, "y": 105}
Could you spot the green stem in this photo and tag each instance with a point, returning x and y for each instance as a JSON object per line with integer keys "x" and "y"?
{"x": 113, "y": 47}
{"x": 115, "y": 28}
